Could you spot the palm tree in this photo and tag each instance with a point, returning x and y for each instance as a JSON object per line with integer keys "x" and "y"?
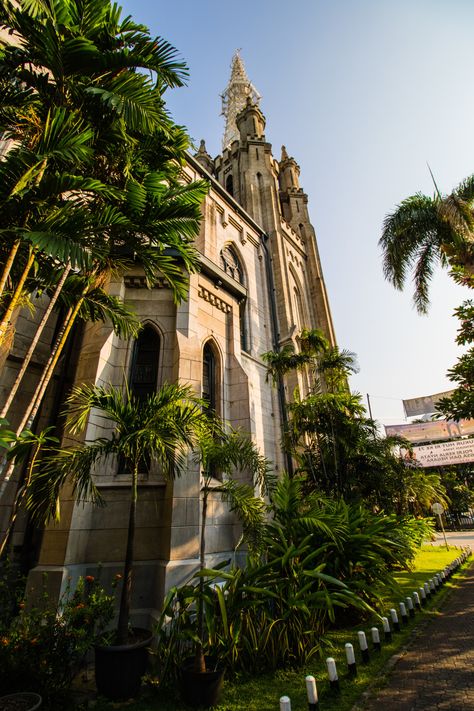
{"x": 424, "y": 231}
{"x": 81, "y": 96}
{"x": 92, "y": 182}
{"x": 220, "y": 454}
{"x": 164, "y": 426}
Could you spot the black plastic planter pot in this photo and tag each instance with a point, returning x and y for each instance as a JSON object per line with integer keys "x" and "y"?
{"x": 119, "y": 668}
{"x": 22, "y": 701}
{"x": 201, "y": 689}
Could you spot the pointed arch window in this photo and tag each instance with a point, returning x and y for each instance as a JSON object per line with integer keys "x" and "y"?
{"x": 299, "y": 311}
{"x": 209, "y": 377}
{"x": 230, "y": 263}
{"x": 144, "y": 369}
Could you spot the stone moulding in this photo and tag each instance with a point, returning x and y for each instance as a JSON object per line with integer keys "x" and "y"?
{"x": 138, "y": 281}
{"x": 214, "y": 300}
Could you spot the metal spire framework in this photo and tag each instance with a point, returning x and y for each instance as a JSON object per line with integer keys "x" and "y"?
{"x": 234, "y": 98}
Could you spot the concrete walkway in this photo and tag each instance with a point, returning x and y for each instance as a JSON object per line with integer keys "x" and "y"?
{"x": 437, "y": 671}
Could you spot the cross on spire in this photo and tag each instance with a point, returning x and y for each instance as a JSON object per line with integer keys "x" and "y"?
{"x": 234, "y": 98}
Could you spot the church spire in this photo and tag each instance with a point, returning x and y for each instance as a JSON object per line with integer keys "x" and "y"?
{"x": 234, "y": 98}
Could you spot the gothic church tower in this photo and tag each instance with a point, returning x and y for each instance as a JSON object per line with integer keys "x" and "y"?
{"x": 270, "y": 192}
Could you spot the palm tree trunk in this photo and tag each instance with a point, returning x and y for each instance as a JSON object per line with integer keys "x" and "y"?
{"x": 34, "y": 342}
{"x": 33, "y": 407}
{"x": 125, "y": 598}
{"x": 48, "y": 371}
{"x": 8, "y": 265}
{"x": 199, "y": 659}
{"x": 16, "y": 297}
{"x": 20, "y": 495}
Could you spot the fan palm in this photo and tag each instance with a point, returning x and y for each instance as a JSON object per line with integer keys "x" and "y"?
{"x": 164, "y": 427}
{"x": 424, "y": 231}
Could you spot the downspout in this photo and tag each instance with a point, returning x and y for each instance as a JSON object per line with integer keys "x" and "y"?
{"x": 276, "y": 346}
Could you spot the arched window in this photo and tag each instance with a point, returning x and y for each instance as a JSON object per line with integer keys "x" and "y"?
{"x": 299, "y": 311}
{"x": 209, "y": 377}
{"x": 229, "y": 185}
{"x": 231, "y": 265}
{"x": 144, "y": 369}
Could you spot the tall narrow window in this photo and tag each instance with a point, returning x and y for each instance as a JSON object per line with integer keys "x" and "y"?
{"x": 230, "y": 263}
{"x": 243, "y": 326}
{"x": 229, "y": 185}
{"x": 209, "y": 378}
{"x": 299, "y": 312}
{"x": 144, "y": 370}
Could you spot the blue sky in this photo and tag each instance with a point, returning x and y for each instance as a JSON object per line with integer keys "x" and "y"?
{"x": 363, "y": 94}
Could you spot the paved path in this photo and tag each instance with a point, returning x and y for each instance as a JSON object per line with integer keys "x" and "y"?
{"x": 437, "y": 672}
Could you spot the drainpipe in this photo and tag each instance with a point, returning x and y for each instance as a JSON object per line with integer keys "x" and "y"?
{"x": 276, "y": 345}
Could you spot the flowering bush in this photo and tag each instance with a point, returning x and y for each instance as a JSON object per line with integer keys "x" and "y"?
{"x": 42, "y": 647}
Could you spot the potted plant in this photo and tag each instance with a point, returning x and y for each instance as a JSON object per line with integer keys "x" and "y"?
{"x": 165, "y": 425}
{"x": 20, "y": 701}
{"x": 220, "y": 455}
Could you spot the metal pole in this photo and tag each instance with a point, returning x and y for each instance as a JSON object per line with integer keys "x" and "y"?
{"x": 368, "y": 404}
{"x": 442, "y": 528}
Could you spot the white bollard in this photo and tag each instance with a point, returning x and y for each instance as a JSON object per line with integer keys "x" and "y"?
{"x": 416, "y": 599}
{"x": 332, "y": 673}
{"x": 376, "y": 638}
{"x": 403, "y": 613}
{"x": 364, "y": 649}
{"x": 395, "y": 622}
{"x": 387, "y": 632}
{"x": 350, "y": 657}
{"x": 285, "y": 703}
{"x": 312, "y": 693}
{"x": 411, "y": 609}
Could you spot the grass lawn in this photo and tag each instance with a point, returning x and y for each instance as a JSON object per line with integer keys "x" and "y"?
{"x": 262, "y": 693}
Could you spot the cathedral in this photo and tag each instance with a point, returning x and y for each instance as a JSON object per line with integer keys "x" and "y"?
{"x": 259, "y": 284}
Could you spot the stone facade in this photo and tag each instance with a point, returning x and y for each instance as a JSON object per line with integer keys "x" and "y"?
{"x": 260, "y": 283}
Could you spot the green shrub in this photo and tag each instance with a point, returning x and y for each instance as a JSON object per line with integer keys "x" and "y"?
{"x": 42, "y": 647}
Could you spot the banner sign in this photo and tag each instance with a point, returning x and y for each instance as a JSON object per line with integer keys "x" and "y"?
{"x": 460, "y": 451}
{"x": 430, "y": 431}
{"x": 423, "y": 405}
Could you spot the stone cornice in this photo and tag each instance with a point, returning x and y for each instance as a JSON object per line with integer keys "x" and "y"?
{"x": 213, "y": 299}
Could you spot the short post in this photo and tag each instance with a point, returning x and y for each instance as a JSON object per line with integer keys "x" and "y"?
{"x": 364, "y": 649}
{"x": 423, "y": 596}
{"x": 285, "y": 703}
{"x": 416, "y": 599}
{"x": 387, "y": 632}
{"x": 351, "y": 662}
{"x": 432, "y": 585}
{"x": 312, "y": 693}
{"x": 395, "y": 622}
{"x": 403, "y": 613}
{"x": 376, "y": 638}
{"x": 332, "y": 673}
{"x": 411, "y": 609}
{"x": 427, "y": 591}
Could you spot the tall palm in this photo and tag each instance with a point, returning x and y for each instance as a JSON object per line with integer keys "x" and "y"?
{"x": 164, "y": 426}
{"x": 222, "y": 454}
{"x": 78, "y": 64}
{"x": 425, "y": 231}
{"x": 93, "y": 178}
